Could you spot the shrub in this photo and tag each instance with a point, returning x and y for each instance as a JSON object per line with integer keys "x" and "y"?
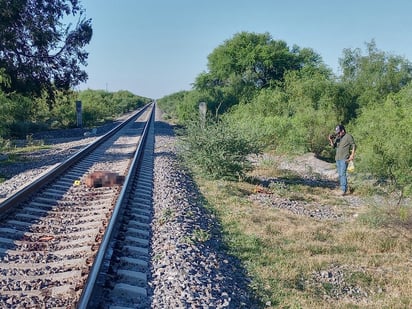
{"x": 216, "y": 150}
{"x": 384, "y": 144}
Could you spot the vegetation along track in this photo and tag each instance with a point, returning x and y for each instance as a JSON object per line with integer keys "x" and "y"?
{"x": 50, "y": 231}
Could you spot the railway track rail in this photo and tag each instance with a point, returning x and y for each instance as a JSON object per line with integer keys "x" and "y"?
{"x": 51, "y": 231}
{"x": 118, "y": 278}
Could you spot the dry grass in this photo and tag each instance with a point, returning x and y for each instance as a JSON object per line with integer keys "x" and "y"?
{"x": 362, "y": 259}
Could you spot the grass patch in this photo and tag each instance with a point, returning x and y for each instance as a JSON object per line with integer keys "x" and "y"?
{"x": 12, "y": 154}
{"x": 16, "y": 154}
{"x": 361, "y": 260}
{"x": 167, "y": 215}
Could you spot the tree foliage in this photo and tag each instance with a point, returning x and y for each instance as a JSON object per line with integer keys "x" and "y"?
{"x": 21, "y": 115}
{"x": 288, "y": 100}
{"x": 100, "y": 105}
{"x": 168, "y": 104}
{"x": 372, "y": 77}
{"x": 188, "y": 108}
{"x": 38, "y": 52}
{"x": 295, "y": 116}
{"x": 247, "y": 63}
{"x": 383, "y": 137}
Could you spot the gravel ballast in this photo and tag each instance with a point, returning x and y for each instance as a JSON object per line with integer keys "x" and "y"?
{"x": 189, "y": 267}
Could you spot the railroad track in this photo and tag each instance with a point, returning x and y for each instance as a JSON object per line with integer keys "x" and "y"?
{"x": 119, "y": 276}
{"x": 59, "y": 236}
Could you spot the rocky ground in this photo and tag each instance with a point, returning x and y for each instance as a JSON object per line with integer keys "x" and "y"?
{"x": 190, "y": 268}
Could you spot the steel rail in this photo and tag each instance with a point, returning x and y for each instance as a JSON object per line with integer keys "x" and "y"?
{"x": 22, "y": 194}
{"x": 108, "y": 235}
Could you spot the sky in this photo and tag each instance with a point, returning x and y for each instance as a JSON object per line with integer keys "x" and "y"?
{"x": 154, "y": 48}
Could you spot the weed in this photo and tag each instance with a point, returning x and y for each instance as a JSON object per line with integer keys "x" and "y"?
{"x": 167, "y": 214}
{"x": 405, "y": 213}
{"x": 269, "y": 162}
{"x": 279, "y": 187}
{"x": 387, "y": 245}
{"x": 322, "y": 235}
{"x": 30, "y": 142}
{"x": 200, "y": 235}
{"x": 374, "y": 218}
{"x": 187, "y": 240}
{"x": 361, "y": 278}
{"x": 5, "y": 144}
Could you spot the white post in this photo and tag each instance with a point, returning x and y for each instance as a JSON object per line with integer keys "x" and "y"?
{"x": 202, "y": 113}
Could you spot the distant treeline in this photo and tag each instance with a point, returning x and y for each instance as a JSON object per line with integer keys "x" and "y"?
{"x": 22, "y": 115}
{"x": 286, "y": 99}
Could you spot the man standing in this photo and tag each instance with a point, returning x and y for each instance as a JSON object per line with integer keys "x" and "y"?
{"x": 345, "y": 152}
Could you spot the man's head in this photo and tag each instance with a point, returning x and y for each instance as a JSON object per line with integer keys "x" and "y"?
{"x": 340, "y": 129}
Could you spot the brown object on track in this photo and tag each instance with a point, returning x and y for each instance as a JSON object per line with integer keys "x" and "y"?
{"x": 103, "y": 179}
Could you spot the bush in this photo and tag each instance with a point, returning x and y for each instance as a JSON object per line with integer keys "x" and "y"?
{"x": 269, "y": 120}
{"x": 311, "y": 128}
{"x": 168, "y": 104}
{"x": 216, "y": 150}
{"x": 382, "y": 133}
{"x": 21, "y": 115}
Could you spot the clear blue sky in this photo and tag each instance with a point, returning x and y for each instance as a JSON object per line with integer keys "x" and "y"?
{"x": 157, "y": 47}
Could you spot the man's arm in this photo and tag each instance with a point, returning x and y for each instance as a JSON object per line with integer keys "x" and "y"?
{"x": 352, "y": 154}
{"x": 331, "y": 141}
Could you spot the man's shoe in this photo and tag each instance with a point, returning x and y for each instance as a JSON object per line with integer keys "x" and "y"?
{"x": 339, "y": 192}
{"x": 344, "y": 193}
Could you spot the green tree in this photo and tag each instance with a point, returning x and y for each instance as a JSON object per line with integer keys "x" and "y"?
{"x": 247, "y": 63}
{"x": 382, "y": 134}
{"x": 264, "y": 120}
{"x": 373, "y": 76}
{"x": 169, "y": 103}
{"x": 187, "y": 109}
{"x": 24, "y": 115}
{"x": 125, "y": 101}
{"x": 297, "y": 115}
{"x": 100, "y": 106}
{"x": 37, "y": 50}
{"x": 5, "y": 106}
